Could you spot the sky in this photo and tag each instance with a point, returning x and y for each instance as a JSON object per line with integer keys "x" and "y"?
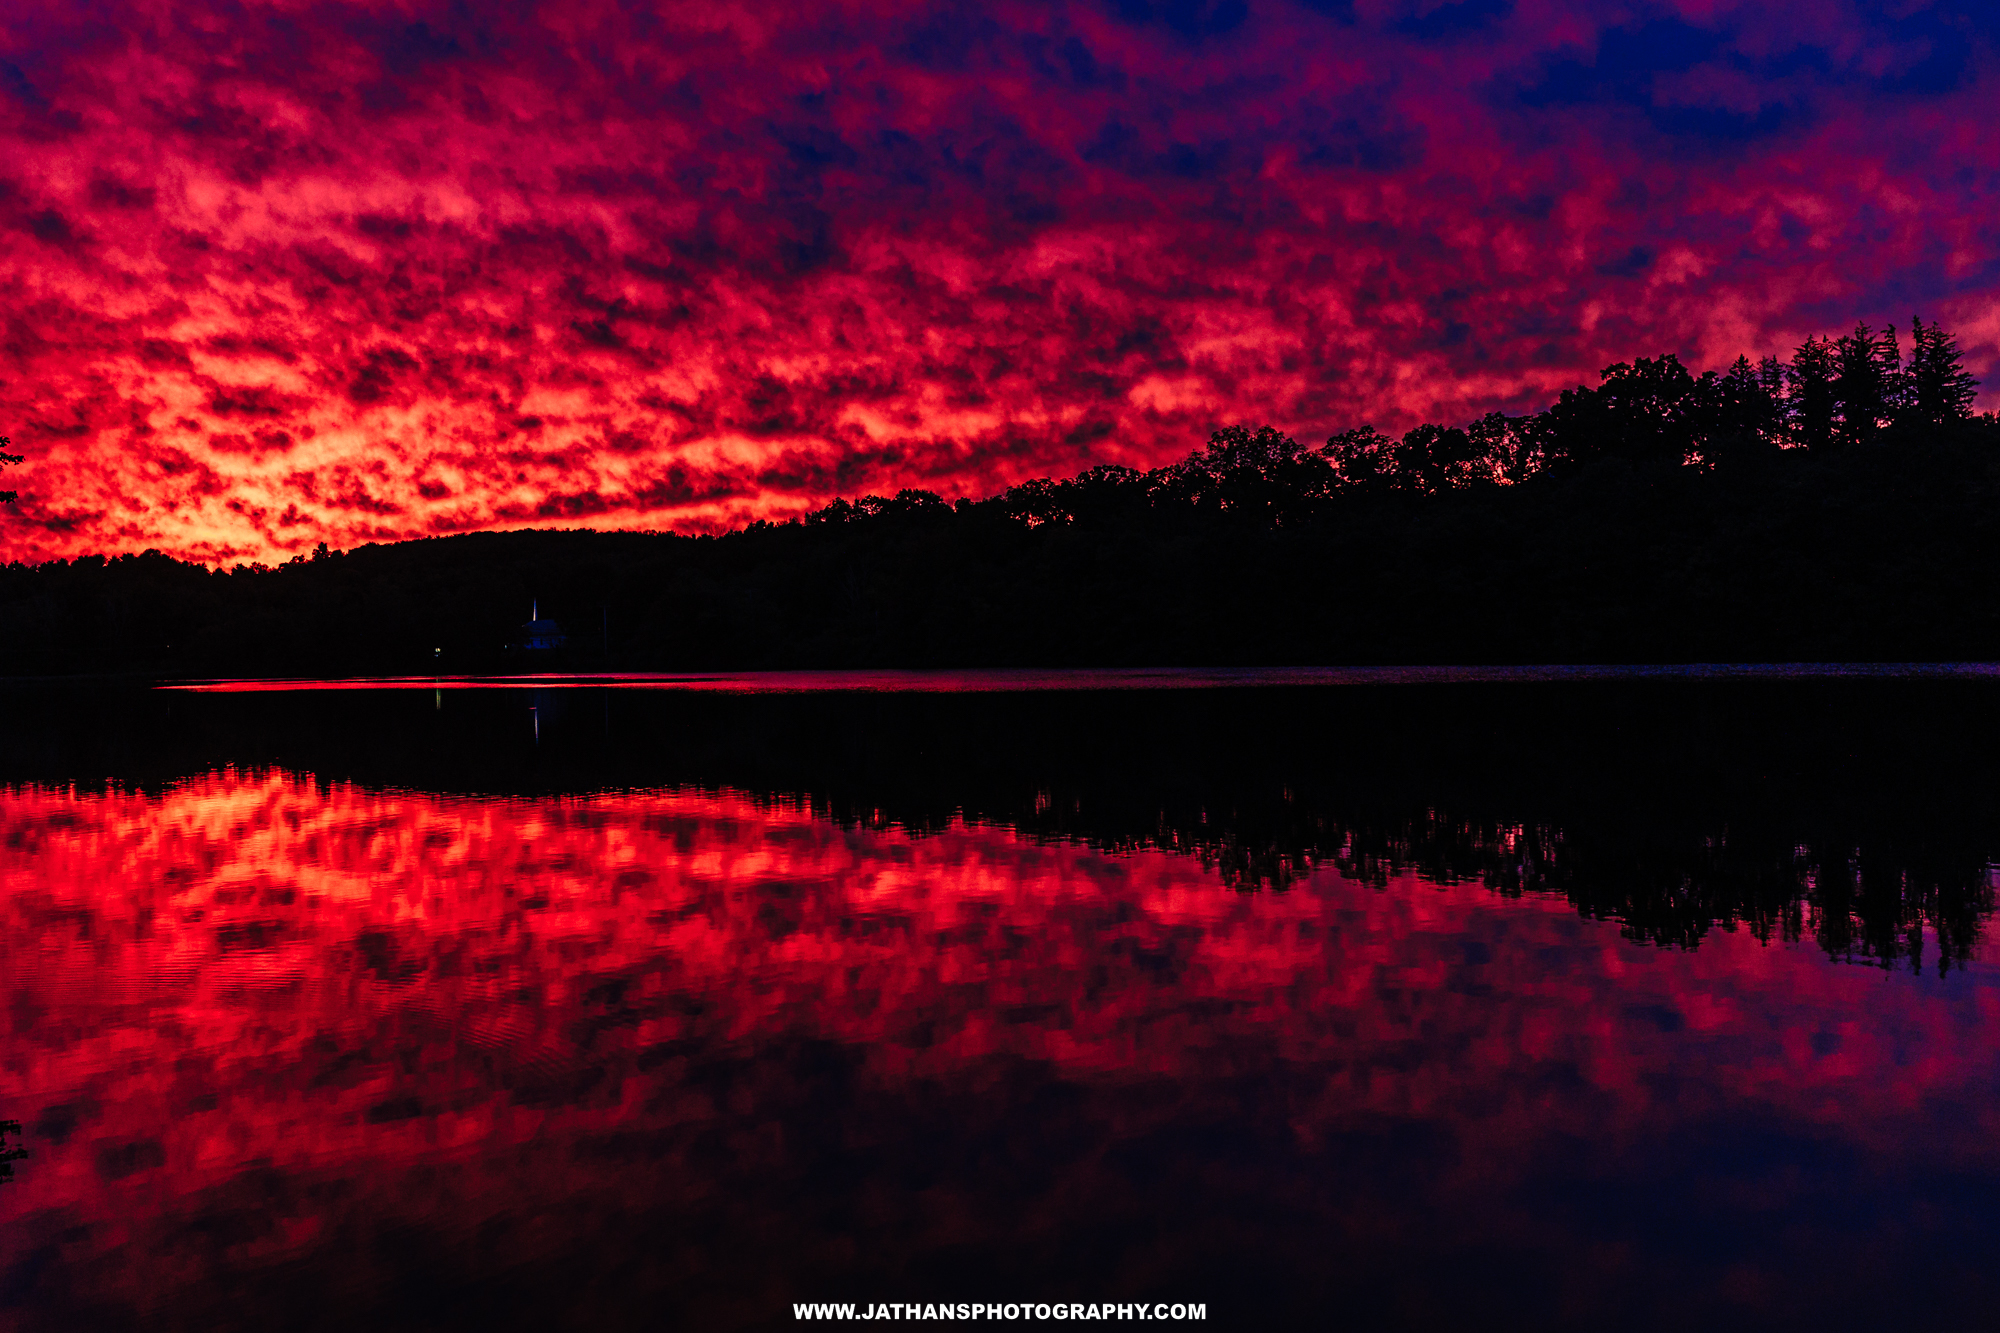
{"x": 278, "y": 274}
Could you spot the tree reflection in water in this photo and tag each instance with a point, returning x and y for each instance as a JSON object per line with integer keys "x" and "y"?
{"x": 9, "y": 1155}
{"x": 307, "y": 1046}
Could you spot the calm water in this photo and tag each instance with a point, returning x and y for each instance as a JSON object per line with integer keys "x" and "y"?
{"x": 1574, "y": 1003}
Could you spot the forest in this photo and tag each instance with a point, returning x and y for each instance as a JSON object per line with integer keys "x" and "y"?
{"x": 1839, "y": 505}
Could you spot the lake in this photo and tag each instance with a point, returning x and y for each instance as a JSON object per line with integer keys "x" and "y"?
{"x": 1559, "y": 999}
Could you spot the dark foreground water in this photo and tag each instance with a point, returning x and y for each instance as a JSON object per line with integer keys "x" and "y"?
{"x": 1593, "y": 1003}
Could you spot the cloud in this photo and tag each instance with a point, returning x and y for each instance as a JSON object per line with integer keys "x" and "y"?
{"x": 283, "y": 273}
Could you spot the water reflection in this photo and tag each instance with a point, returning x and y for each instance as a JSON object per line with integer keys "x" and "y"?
{"x": 1884, "y": 904}
{"x": 296, "y": 1051}
{"x": 1427, "y": 1006}
{"x": 9, "y": 1153}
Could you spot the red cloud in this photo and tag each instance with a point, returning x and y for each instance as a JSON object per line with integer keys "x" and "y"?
{"x": 399, "y": 271}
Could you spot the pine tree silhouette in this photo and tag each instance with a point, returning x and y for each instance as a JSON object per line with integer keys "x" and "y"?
{"x": 1868, "y": 367}
{"x": 1937, "y": 387}
{"x": 1811, "y": 400}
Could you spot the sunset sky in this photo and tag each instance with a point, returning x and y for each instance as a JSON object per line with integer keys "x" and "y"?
{"x": 281, "y": 273}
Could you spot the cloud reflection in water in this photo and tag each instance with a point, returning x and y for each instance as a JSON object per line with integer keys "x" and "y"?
{"x": 288, "y": 1051}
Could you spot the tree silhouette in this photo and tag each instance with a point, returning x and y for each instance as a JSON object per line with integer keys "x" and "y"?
{"x": 9, "y": 1156}
{"x": 1504, "y": 446}
{"x": 1364, "y": 457}
{"x": 1106, "y": 492}
{"x": 1648, "y": 410}
{"x": 1264, "y": 476}
{"x": 1745, "y": 410}
{"x": 1868, "y": 373}
{"x": 8, "y": 460}
{"x": 1437, "y": 458}
{"x": 1937, "y": 387}
{"x": 1812, "y": 401}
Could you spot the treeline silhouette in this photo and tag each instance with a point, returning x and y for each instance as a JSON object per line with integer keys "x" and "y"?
{"x": 1839, "y": 505}
{"x": 1861, "y": 815}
